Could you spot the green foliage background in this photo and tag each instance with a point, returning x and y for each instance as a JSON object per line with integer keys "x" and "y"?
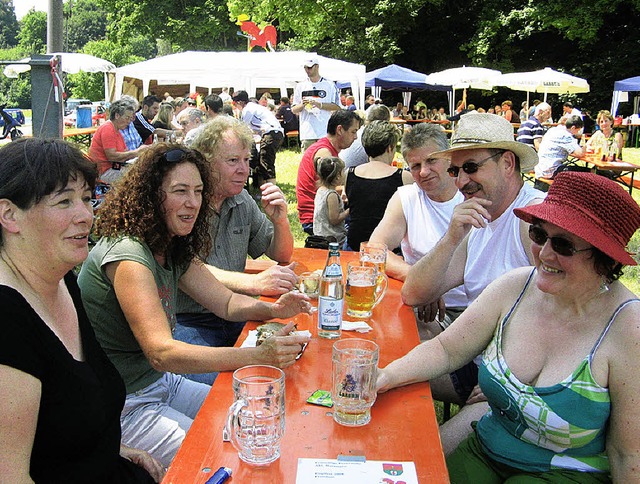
{"x": 597, "y": 40}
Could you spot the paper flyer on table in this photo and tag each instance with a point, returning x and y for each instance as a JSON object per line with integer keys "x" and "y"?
{"x": 331, "y": 471}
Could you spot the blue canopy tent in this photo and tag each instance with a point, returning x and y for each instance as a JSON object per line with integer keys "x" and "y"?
{"x": 620, "y": 90}
{"x": 396, "y": 78}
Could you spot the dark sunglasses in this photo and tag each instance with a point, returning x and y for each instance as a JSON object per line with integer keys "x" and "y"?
{"x": 469, "y": 167}
{"x": 173, "y": 156}
{"x": 560, "y": 245}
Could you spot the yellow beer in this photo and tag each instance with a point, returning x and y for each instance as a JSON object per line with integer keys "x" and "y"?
{"x": 360, "y": 298}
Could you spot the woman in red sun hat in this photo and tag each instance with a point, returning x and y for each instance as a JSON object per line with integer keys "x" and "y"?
{"x": 560, "y": 344}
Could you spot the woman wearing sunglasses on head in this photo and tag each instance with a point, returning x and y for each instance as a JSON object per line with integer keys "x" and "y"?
{"x": 154, "y": 227}
{"x": 561, "y": 343}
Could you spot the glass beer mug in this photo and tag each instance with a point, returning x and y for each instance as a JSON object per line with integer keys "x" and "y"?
{"x": 362, "y": 294}
{"x": 376, "y": 253}
{"x": 255, "y": 421}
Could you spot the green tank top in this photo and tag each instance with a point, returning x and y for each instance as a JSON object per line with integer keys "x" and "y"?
{"x": 538, "y": 429}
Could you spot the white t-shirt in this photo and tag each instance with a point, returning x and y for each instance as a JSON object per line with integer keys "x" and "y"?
{"x": 427, "y": 221}
{"x": 313, "y": 123}
{"x": 497, "y": 248}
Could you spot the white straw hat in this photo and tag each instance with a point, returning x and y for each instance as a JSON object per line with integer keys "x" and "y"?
{"x": 485, "y": 131}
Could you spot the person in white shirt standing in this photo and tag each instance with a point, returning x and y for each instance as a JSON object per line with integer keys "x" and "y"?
{"x": 314, "y": 100}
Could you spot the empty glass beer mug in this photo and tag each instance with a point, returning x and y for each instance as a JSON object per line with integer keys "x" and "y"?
{"x": 355, "y": 369}
{"x": 255, "y": 421}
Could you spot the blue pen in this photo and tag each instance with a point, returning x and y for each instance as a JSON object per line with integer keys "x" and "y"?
{"x": 220, "y": 476}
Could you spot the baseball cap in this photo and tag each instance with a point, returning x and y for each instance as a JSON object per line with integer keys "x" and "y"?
{"x": 310, "y": 61}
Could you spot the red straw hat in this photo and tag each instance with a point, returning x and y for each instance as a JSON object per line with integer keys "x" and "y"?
{"x": 592, "y": 207}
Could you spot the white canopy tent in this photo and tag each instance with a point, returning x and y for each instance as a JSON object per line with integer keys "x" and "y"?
{"x": 240, "y": 70}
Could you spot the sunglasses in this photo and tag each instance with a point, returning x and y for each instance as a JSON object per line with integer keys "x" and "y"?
{"x": 560, "y": 245}
{"x": 469, "y": 167}
{"x": 173, "y": 156}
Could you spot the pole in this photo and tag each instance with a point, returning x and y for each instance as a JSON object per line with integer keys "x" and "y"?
{"x": 55, "y": 22}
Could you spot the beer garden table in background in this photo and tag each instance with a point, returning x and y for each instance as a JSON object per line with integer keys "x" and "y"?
{"x": 623, "y": 171}
{"x": 80, "y": 135}
{"x": 403, "y": 423}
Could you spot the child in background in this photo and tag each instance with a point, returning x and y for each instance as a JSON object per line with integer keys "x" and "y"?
{"x": 329, "y": 213}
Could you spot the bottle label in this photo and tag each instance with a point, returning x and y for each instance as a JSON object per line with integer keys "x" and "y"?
{"x": 330, "y": 313}
{"x": 333, "y": 270}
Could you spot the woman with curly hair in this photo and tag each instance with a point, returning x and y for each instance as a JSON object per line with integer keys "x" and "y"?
{"x": 153, "y": 229}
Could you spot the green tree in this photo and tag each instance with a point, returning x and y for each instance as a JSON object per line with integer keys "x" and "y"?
{"x": 15, "y": 92}
{"x": 85, "y": 20}
{"x": 32, "y": 36}
{"x": 185, "y": 24}
{"x": 8, "y": 24}
{"x": 363, "y": 31}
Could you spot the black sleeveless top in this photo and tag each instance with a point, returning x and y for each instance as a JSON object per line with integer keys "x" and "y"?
{"x": 368, "y": 200}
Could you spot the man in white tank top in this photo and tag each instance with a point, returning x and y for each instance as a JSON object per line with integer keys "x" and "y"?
{"x": 418, "y": 215}
{"x": 484, "y": 239}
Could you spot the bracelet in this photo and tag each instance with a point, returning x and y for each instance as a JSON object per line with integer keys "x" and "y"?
{"x": 320, "y": 104}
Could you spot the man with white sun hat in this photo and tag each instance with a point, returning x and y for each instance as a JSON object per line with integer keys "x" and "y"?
{"x": 484, "y": 240}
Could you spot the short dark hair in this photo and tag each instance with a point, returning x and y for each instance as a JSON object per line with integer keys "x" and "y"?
{"x": 343, "y": 118}
{"x": 240, "y": 96}
{"x": 568, "y": 104}
{"x": 213, "y": 102}
{"x": 32, "y": 168}
{"x": 284, "y": 99}
{"x": 150, "y": 100}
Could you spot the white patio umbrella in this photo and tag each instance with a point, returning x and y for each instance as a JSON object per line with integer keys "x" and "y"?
{"x": 545, "y": 80}
{"x": 463, "y": 78}
{"x": 72, "y": 63}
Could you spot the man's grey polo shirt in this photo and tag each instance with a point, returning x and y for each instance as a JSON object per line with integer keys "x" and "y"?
{"x": 239, "y": 230}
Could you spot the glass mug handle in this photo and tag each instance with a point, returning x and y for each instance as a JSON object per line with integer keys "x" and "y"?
{"x": 232, "y": 422}
{"x": 381, "y": 290}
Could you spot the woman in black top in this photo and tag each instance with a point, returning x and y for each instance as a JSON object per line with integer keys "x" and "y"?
{"x": 370, "y": 186}
{"x": 60, "y": 397}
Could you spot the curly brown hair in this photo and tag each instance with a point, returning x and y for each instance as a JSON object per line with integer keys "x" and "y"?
{"x": 133, "y": 208}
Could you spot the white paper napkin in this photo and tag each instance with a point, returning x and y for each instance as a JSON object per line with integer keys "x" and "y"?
{"x": 358, "y": 326}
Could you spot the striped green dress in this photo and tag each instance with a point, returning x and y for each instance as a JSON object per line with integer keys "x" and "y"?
{"x": 538, "y": 429}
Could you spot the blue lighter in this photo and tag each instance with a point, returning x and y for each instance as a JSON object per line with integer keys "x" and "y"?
{"x": 220, "y": 476}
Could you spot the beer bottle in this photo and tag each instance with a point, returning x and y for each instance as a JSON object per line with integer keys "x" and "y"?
{"x": 331, "y": 296}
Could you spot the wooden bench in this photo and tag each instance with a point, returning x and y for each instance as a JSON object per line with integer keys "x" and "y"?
{"x": 80, "y": 135}
{"x": 627, "y": 179}
{"x": 531, "y": 176}
{"x": 293, "y": 136}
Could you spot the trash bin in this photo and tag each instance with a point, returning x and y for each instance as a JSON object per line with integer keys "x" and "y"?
{"x": 83, "y": 117}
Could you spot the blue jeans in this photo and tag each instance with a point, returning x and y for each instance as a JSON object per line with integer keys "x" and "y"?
{"x": 206, "y": 330}
{"x": 158, "y": 417}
